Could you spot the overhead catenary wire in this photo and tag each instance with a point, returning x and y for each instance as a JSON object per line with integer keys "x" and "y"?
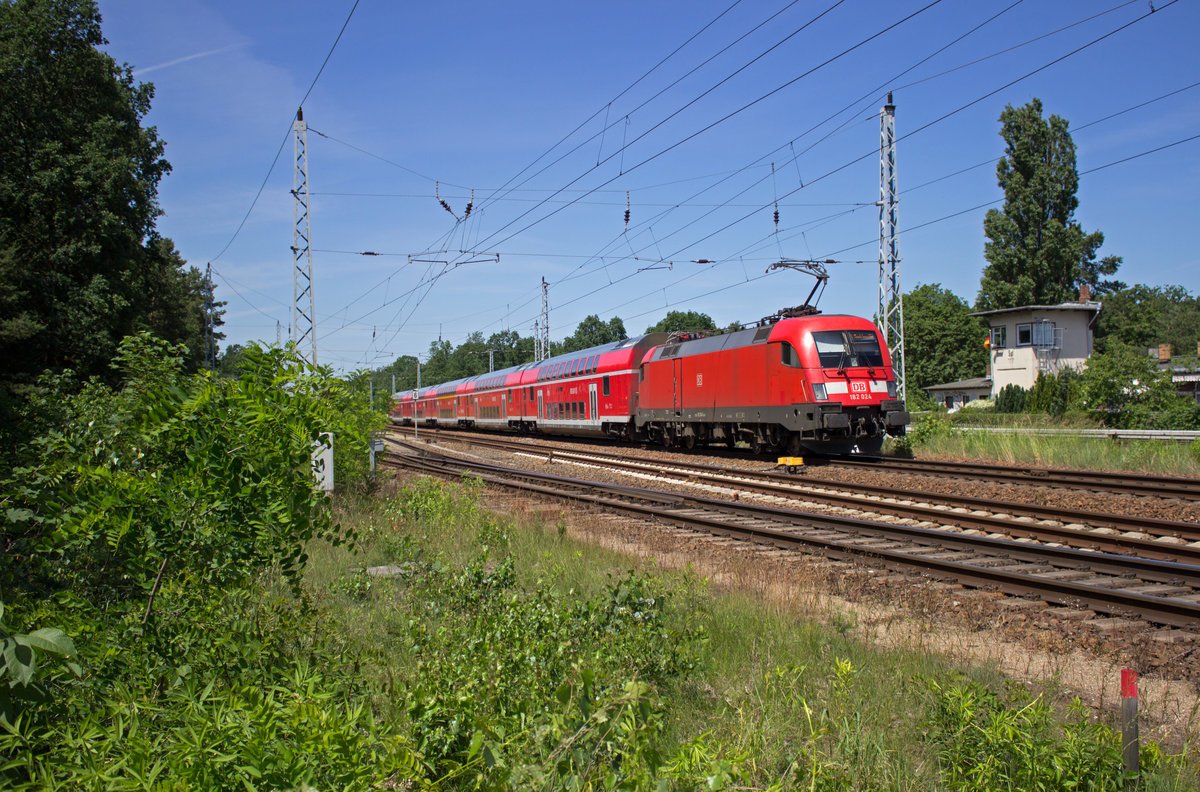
{"x": 624, "y": 144}
{"x": 287, "y": 134}
{"x": 994, "y": 16}
{"x": 660, "y": 238}
{"x": 744, "y": 107}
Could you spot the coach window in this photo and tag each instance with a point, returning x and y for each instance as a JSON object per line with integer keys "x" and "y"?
{"x": 1024, "y": 335}
{"x": 605, "y": 385}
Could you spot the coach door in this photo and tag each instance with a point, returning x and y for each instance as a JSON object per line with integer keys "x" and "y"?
{"x": 592, "y": 403}
{"x": 541, "y": 406}
{"x": 504, "y": 406}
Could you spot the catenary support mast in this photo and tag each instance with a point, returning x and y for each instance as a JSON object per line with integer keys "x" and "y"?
{"x": 544, "y": 330}
{"x": 303, "y": 327}
{"x": 891, "y": 308}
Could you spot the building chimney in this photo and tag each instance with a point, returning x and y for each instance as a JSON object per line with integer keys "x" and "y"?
{"x": 1085, "y": 294}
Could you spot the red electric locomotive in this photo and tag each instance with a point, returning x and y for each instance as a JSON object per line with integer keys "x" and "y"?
{"x": 820, "y": 383}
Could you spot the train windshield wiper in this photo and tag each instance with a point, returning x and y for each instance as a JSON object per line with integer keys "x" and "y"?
{"x": 845, "y": 353}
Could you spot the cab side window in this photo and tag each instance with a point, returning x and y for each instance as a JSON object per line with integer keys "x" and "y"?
{"x": 788, "y": 355}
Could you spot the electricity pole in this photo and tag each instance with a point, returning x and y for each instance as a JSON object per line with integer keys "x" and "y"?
{"x": 891, "y": 307}
{"x": 545, "y": 328}
{"x": 303, "y": 315}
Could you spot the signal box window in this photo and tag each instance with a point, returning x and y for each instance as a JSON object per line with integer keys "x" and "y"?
{"x": 1024, "y": 335}
{"x": 999, "y": 337}
{"x": 1043, "y": 334}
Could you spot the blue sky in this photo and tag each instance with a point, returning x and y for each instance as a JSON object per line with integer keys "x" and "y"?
{"x": 470, "y": 94}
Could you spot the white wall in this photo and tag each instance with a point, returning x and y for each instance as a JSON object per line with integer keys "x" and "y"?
{"x": 1018, "y": 363}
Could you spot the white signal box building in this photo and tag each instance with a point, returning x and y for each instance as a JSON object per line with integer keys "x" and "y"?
{"x": 1039, "y": 338}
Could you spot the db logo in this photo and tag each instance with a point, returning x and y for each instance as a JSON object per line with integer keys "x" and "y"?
{"x": 699, "y": 380}
{"x": 858, "y": 387}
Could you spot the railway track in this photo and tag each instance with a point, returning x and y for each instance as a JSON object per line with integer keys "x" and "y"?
{"x": 1160, "y": 592}
{"x": 1094, "y": 480}
{"x": 1139, "y": 536}
{"x": 1171, "y": 487}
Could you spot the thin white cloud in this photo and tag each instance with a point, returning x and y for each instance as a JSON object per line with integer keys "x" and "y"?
{"x": 185, "y": 59}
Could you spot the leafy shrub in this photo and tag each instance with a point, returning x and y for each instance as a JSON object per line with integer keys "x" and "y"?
{"x": 927, "y": 427}
{"x": 252, "y": 698}
{"x": 514, "y": 685}
{"x": 1128, "y": 390}
{"x": 140, "y": 521}
{"x": 985, "y": 743}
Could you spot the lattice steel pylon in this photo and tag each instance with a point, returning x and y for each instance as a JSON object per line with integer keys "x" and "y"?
{"x": 544, "y": 330}
{"x": 890, "y": 317}
{"x": 303, "y": 315}
{"x": 210, "y": 309}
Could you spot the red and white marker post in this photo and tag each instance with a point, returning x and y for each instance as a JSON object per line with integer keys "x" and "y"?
{"x": 1129, "y": 723}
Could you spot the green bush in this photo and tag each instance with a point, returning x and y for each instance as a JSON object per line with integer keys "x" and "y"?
{"x": 926, "y": 428}
{"x": 144, "y": 515}
{"x": 985, "y": 744}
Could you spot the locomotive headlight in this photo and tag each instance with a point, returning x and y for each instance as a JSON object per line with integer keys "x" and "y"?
{"x": 819, "y": 391}
{"x": 891, "y": 389}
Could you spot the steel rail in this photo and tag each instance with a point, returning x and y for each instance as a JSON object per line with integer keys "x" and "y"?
{"x": 1125, "y": 483}
{"x": 682, "y": 509}
{"x": 793, "y": 487}
{"x": 1103, "y": 481}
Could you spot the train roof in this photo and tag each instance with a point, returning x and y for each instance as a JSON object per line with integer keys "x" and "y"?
{"x": 776, "y": 331}
{"x": 496, "y": 379}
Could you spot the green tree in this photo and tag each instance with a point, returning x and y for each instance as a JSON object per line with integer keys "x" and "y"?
{"x": 1037, "y": 252}
{"x": 508, "y": 350}
{"x": 78, "y": 193}
{"x": 677, "y": 321}
{"x": 942, "y": 343}
{"x": 1145, "y": 316}
{"x": 593, "y": 332}
{"x": 176, "y": 308}
{"x": 470, "y": 357}
{"x": 1125, "y": 387}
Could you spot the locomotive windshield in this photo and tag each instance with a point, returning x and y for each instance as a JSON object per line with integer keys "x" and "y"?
{"x": 844, "y": 348}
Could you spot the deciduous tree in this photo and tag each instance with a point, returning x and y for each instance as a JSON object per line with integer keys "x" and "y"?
{"x": 593, "y": 332}
{"x": 1144, "y": 316}
{"x": 678, "y": 321}
{"x": 1037, "y": 253}
{"x": 942, "y": 343}
{"x": 78, "y": 192}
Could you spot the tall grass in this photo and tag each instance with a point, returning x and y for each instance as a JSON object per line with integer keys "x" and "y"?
{"x": 935, "y": 436}
{"x": 518, "y": 657}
